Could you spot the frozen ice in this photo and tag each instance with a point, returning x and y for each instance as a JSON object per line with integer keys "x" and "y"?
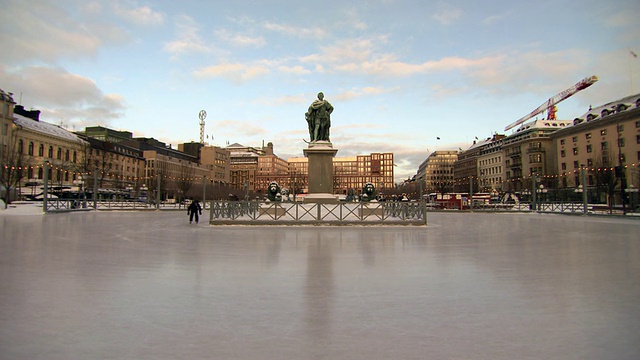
{"x": 148, "y": 285}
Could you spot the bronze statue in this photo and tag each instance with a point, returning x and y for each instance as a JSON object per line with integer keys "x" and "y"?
{"x": 319, "y": 119}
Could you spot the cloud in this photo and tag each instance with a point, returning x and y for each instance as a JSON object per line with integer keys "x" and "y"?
{"x": 43, "y": 31}
{"x": 359, "y": 56}
{"x": 238, "y": 73}
{"x": 246, "y": 128}
{"x": 347, "y": 51}
{"x": 363, "y": 92}
{"x": 143, "y": 15}
{"x": 62, "y": 96}
{"x": 291, "y": 99}
{"x": 294, "y": 31}
{"x": 188, "y": 39}
{"x": 237, "y": 39}
{"x": 447, "y": 14}
{"x": 294, "y": 70}
{"x": 536, "y": 72}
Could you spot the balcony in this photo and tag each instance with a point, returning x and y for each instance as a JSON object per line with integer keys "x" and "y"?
{"x": 537, "y": 149}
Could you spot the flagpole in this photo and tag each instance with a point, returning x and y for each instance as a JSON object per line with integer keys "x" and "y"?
{"x": 631, "y": 70}
{"x": 633, "y": 54}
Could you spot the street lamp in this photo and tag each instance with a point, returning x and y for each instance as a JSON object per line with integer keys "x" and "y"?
{"x": 632, "y": 191}
{"x": 542, "y": 192}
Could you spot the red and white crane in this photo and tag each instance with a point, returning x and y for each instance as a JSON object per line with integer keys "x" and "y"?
{"x": 550, "y": 105}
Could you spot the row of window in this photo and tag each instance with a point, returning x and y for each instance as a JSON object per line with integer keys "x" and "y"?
{"x": 603, "y": 132}
{"x": 493, "y": 160}
{"x": 605, "y": 162}
{"x": 603, "y": 146}
{"x": 60, "y": 154}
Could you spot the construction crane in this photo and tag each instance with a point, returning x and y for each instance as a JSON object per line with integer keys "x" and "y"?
{"x": 550, "y": 105}
{"x": 202, "y": 115}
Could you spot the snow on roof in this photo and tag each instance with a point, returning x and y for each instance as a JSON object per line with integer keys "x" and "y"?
{"x": 6, "y": 96}
{"x": 46, "y": 128}
{"x": 544, "y": 124}
{"x": 235, "y": 145}
{"x": 479, "y": 143}
{"x": 620, "y": 105}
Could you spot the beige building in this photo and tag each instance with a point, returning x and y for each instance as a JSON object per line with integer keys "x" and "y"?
{"x": 6, "y": 124}
{"x": 490, "y": 174}
{"x": 435, "y": 174}
{"x": 41, "y": 143}
{"x": 176, "y": 172}
{"x": 243, "y": 166}
{"x": 216, "y": 160}
{"x": 114, "y": 165}
{"x": 465, "y": 169}
{"x": 530, "y": 152}
{"x": 350, "y": 172}
{"x": 270, "y": 168}
{"x": 603, "y": 141}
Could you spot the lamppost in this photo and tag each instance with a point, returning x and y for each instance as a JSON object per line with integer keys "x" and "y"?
{"x": 632, "y": 191}
{"x": 143, "y": 193}
{"x": 526, "y": 194}
{"x": 204, "y": 191}
{"x": 494, "y": 195}
{"x": 542, "y": 192}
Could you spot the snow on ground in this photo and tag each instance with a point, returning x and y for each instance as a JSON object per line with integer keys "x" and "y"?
{"x": 19, "y": 208}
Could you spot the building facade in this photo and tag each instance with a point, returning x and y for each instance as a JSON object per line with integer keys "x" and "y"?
{"x": 42, "y": 143}
{"x": 217, "y": 160}
{"x": 529, "y": 155}
{"x": 6, "y": 124}
{"x": 435, "y": 174}
{"x": 606, "y": 143}
{"x": 112, "y": 165}
{"x": 349, "y": 173}
{"x": 465, "y": 169}
{"x": 490, "y": 174}
{"x": 270, "y": 168}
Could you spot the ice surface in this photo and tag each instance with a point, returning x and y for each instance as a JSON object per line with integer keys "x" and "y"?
{"x": 147, "y": 285}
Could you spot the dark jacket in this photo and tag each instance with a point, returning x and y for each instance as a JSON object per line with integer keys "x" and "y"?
{"x": 194, "y": 208}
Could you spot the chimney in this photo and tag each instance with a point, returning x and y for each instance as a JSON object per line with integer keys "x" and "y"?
{"x": 31, "y": 114}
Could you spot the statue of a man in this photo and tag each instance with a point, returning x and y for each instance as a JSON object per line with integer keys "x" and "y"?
{"x": 319, "y": 119}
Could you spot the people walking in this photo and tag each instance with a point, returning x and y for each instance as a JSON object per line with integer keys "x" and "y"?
{"x": 194, "y": 209}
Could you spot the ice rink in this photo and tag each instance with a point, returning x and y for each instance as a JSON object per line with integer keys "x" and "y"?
{"x": 147, "y": 285}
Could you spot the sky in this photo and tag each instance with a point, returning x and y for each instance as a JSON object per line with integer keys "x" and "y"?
{"x": 408, "y": 77}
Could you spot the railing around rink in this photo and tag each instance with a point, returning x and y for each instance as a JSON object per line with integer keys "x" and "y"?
{"x": 68, "y": 205}
{"x": 560, "y": 207}
{"x": 276, "y": 213}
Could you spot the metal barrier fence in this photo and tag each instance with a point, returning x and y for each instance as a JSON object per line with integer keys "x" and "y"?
{"x": 552, "y": 207}
{"x": 562, "y": 207}
{"x": 373, "y": 213}
{"x": 259, "y": 213}
{"x": 67, "y": 205}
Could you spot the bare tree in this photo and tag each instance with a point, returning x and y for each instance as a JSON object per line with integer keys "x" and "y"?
{"x": 12, "y": 167}
{"x": 605, "y": 177}
{"x": 161, "y": 171}
{"x": 185, "y": 179}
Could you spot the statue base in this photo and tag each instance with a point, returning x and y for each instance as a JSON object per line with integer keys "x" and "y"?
{"x": 320, "y": 144}
{"x": 321, "y": 199}
{"x": 320, "y": 154}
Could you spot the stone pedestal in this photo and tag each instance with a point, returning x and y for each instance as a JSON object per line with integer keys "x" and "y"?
{"x": 320, "y": 156}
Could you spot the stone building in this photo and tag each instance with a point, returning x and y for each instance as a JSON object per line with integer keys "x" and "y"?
{"x": 40, "y": 142}
{"x": 605, "y": 141}
{"x": 349, "y": 173}
{"x": 490, "y": 174}
{"x": 529, "y": 153}
{"x": 435, "y": 173}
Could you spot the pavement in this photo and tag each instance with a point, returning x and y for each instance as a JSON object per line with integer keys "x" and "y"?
{"x": 148, "y": 285}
